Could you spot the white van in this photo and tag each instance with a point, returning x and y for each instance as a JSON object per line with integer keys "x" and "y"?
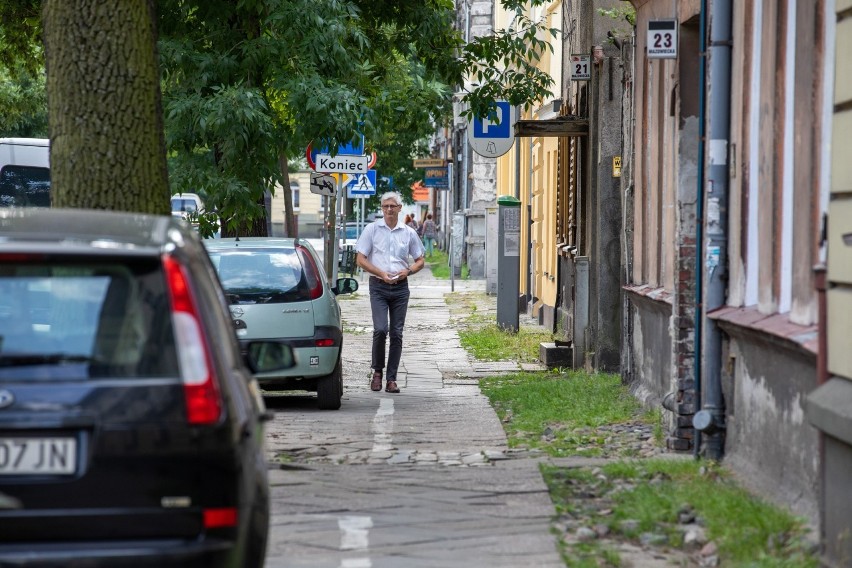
{"x": 24, "y": 172}
{"x": 184, "y": 204}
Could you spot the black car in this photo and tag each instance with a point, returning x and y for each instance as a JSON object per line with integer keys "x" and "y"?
{"x": 131, "y": 428}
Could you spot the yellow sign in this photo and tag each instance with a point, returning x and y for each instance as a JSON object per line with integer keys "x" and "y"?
{"x": 616, "y": 166}
{"x": 429, "y": 163}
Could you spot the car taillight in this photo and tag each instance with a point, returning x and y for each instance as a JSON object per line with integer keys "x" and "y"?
{"x": 203, "y": 402}
{"x": 325, "y": 342}
{"x": 312, "y": 272}
{"x": 219, "y": 518}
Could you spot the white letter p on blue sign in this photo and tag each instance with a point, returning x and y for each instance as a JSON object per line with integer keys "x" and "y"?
{"x": 496, "y": 125}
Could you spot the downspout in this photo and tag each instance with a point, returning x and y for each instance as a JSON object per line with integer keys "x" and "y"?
{"x": 710, "y": 420}
{"x": 518, "y": 160}
{"x": 530, "y": 271}
{"x": 699, "y": 215}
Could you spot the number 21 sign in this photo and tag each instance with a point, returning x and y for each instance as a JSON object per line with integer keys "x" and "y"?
{"x": 581, "y": 67}
{"x": 662, "y": 39}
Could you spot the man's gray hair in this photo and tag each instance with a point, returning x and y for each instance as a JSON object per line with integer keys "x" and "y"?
{"x": 391, "y": 195}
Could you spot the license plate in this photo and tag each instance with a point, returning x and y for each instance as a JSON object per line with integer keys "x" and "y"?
{"x": 38, "y": 456}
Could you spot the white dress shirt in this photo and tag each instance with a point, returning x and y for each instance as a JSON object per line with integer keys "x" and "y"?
{"x": 388, "y": 249}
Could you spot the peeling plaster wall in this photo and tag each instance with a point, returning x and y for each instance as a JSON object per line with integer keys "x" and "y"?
{"x": 483, "y": 195}
{"x": 769, "y": 443}
{"x": 651, "y": 350}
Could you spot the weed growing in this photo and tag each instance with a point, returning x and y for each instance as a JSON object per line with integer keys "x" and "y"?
{"x": 440, "y": 266}
{"x": 565, "y": 413}
{"x": 679, "y": 511}
{"x": 667, "y": 502}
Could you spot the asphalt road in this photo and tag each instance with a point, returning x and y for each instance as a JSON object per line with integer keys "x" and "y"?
{"x": 420, "y": 478}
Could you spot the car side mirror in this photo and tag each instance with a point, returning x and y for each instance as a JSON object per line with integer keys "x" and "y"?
{"x": 346, "y": 286}
{"x": 267, "y": 356}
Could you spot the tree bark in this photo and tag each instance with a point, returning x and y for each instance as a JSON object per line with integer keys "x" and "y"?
{"x": 107, "y": 145}
{"x": 290, "y": 227}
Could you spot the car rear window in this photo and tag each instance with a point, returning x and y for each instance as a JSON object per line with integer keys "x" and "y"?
{"x": 261, "y": 276}
{"x": 84, "y": 320}
{"x": 22, "y": 186}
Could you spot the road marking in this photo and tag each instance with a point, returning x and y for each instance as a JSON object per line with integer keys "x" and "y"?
{"x": 383, "y": 426}
{"x": 355, "y": 532}
{"x": 355, "y": 535}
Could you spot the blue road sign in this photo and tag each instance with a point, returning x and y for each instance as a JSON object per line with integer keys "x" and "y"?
{"x": 497, "y": 125}
{"x": 362, "y": 185}
{"x": 491, "y": 136}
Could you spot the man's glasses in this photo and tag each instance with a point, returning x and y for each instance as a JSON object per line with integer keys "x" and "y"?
{"x": 390, "y": 206}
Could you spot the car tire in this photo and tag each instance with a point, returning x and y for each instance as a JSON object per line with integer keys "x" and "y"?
{"x": 330, "y": 388}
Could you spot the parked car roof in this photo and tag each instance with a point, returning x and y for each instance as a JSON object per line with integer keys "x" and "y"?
{"x": 66, "y": 227}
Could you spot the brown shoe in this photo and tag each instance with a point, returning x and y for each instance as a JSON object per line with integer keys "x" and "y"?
{"x": 391, "y": 387}
{"x": 376, "y": 383}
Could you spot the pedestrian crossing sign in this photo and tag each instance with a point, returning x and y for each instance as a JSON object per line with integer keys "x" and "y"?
{"x": 360, "y": 185}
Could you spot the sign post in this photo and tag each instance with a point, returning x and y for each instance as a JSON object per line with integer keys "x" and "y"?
{"x": 348, "y": 160}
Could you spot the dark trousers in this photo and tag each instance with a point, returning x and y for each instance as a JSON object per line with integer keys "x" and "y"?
{"x": 389, "y": 304}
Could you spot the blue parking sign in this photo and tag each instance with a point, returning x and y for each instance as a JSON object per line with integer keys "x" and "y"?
{"x": 492, "y": 136}
{"x": 496, "y": 125}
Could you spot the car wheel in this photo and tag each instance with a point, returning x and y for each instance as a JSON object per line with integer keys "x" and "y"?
{"x": 330, "y": 388}
{"x": 258, "y": 532}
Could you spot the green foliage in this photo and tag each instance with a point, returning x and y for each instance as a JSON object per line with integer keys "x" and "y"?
{"x": 23, "y": 99}
{"x": 502, "y": 66}
{"x": 247, "y": 82}
{"x": 624, "y": 14}
{"x": 20, "y": 36}
{"x": 23, "y": 104}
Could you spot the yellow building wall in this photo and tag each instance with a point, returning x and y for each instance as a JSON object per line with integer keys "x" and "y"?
{"x": 537, "y": 187}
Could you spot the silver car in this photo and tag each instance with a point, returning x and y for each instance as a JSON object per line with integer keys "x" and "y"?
{"x": 277, "y": 290}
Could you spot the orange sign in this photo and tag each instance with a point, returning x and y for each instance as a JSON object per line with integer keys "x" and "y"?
{"x": 420, "y": 192}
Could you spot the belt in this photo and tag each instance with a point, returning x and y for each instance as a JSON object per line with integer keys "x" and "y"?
{"x": 377, "y": 280}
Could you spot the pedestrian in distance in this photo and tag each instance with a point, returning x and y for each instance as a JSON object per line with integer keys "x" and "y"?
{"x": 383, "y": 251}
{"x": 411, "y": 222}
{"x": 430, "y": 234}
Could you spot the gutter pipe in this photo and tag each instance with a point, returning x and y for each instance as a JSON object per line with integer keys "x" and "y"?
{"x": 710, "y": 420}
{"x": 699, "y": 215}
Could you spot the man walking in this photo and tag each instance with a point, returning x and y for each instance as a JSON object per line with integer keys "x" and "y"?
{"x": 383, "y": 250}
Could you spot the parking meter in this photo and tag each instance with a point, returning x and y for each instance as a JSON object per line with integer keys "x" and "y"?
{"x": 508, "y": 262}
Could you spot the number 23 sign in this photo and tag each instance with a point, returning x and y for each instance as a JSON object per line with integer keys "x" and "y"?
{"x": 662, "y": 39}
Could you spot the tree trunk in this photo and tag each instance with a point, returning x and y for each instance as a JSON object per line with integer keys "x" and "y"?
{"x": 290, "y": 227}
{"x": 107, "y": 146}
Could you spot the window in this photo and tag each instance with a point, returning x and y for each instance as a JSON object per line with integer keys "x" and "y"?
{"x": 24, "y": 186}
{"x": 294, "y": 188}
{"x": 255, "y": 276}
{"x": 78, "y": 320}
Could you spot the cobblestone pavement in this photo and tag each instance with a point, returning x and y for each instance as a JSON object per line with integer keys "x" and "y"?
{"x": 421, "y": 478}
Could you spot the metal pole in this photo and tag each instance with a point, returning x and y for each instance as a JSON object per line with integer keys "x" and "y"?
{"x": 714, "y": 250}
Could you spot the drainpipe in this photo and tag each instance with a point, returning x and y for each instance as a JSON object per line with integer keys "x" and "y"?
{"x": 699, "y": 214}
{"x": 518, "y": 160}
{"x": 530, "y": 270}
{"x": 710, "y": 420}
